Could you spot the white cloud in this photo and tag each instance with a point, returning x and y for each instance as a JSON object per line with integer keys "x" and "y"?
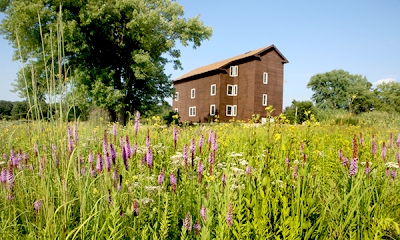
{"x": 384, "y": 80}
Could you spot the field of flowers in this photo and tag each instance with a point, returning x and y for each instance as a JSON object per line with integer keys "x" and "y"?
{"x": 214, "y": 181}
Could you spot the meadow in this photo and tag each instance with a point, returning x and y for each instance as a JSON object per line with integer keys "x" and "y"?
{"x": 100, "y": 180}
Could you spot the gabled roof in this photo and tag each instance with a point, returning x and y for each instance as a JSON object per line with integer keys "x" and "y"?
{"x": 227, "y": 62}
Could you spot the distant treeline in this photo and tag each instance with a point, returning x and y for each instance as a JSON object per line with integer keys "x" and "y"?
{"x": 22, "y": 110}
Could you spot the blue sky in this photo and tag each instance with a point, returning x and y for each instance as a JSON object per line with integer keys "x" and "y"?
{"x": 361, "y": 37}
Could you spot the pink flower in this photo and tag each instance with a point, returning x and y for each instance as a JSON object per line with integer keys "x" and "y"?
{"x": 229, "y": 215}
{"x": 197, "y": 227}
{"x": 187, "y": 222}
{"x": 172, "y": 180}
{"x": 161, "y": 177}
{"x": 203, "y": 213}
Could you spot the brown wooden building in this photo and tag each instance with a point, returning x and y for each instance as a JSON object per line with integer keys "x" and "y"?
{"x": 233, "y": 88}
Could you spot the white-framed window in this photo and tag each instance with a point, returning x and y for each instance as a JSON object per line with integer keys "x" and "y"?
{"x": 231, "y": 110}
{"x": 213, "y": 89}
{"x": 193, "y": 93}
{"x": 176, "y": 110}
{"x": 176, "y": 96}
{"x": 265, "y": 78}
{"x": 192, "y": 111}
{"x": 233, "y": 71}
{"x": 231, "y": 90}
{"x": 264, "y": 100}
{"x": 212, "y": 110}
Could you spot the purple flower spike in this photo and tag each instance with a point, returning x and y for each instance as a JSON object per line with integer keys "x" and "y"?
{"x": 113, "y": 153}
{"x": 398, "y": 158}
{"x": 210, "y": 139}
{"x": 185, "y": 155}
{"x": 115, "y": 132}
{"x": 353, "y": 167}
{"x": 92, "y": 172}
{"x": 384, "y": 152}
{"x": 223, "y": 179}
{"x": 201, "y": 142}
{"x": 394, "y": 173}
{"x": 5, "y": 156}
{"x": 175, "y": 136}
{"x": 136, "y": 208}
{"x": 203, "y": 213}
{"x": 197, "y": 227}
{"x": 229, "y": 215}
{"x": 149, "y": 158}
{"x": 172, "y": 180}
{"x": 70, "y": 146}
{"x": 76, "y": 138}
{"x": 186, "y": 223}
{"x": 373, "y": 145}
{"x": 398, "y": 141}
{"x": 38, "y": 205}
{"x": 99, "y": 164}
{"x": 128, "y": 149}
{"x": 10, "y": 178}
{"x": 192, "y": 150}
{"x": 295, "y": 171}
{"x": 125, "y": 159}
{"x": 287, "y": 162}
{"x": 161, "y": 177}
{"x": 215, "y": 144}
{"x": 137, "y": 122}
{"x": 91, "y": 157}
{"x": 248, "y": 170}
{"x": 83, "y": 171}
{"x": 108, "y": 162}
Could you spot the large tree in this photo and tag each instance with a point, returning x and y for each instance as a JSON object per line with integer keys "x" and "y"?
{"x": 388, "y": 97}
{"x": 114, "y": 51}
{"x": 339, "y": 89}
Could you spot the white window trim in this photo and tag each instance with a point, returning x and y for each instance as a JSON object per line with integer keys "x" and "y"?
{"x": 215, "y": 89}
{"x": 233, "y": 110}
{"x": 191, "y": 113}
{"x": 265, "y": 78}
{"x": 192, "y": 93}
{"x": 211, "y": 107}
{"x": 234, "y": 71}
{"x": 234, "y": 90}
{"x": 176, "y": 96}
{"x": 265, "y": 100}
{"x": 176, "y": 110}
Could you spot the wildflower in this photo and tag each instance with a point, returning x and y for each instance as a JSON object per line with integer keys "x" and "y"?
{"x": 113, "y": 153}
{"x": 211, "y": 158}
{"x": 210, "y": 139}
{"x": 83, "y": 171}
{"x": 128, "y": 149}
{"x": 92, "y": 172}
{"x": 99, "y": 164}
{"x": 186, "y": 222}
{"x": 149, "y": 158}
{"x": 136, "y": 208}
{"x": 398, "y": 158}
{"x": 70, "y": 146}
{"x": 287, "y": 162}
{"x": 175, "y": 136}
{"x": 161, "y": 177}
{"x": 38, "y": 205}
{"x": 75, "y": 132}
{"x": 201, "y": 142}
{"x": 215, "y": 144}
{"x": 108, "y": 162}
{"x": 115, "y": 174}
{"x": 125, "y": 159}
{"x": 9, "y": 178}
{"x": 353, "y": 166}
{"x": 199, "y": 171}
{"x": 248, "y": 170}
{"x": 295, "y": 171}
{"x": 115, "y": 132}
{"x": 121, "y": 142}
{"x": 137, "y": 122}
{"x": 355, "y": 147}
{"x": 394, "y": 173}
{"x": 135, "y": 148}
{"x": 229, "y": 215}
{"x": 373, "y": 145}
{"x": 367, "y": 168}
{"x": 384, "y": 152}
{"x": 223, "y": 179}
{"x": 148, "y": 138}
{"x": 398, "y": 141}
{"x": 69, "y": 132}
{"x": 197, "y": 227}
{"x": 192, "y": 150}
{"x": 5, "y": 156}
{"x": 185, "y": 155}
{"x": 203, "y": 213}
{"x": 172, "y": 180}
{"x": 345, "y": 162}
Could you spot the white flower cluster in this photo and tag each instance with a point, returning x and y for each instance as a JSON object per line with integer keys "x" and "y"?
{"x": 233, "y": 154}
{"x": 392, "y": 165}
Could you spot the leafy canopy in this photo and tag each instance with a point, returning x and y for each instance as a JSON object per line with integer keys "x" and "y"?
{"x": 114, "y": 51}
{"x": 339, "y": 89}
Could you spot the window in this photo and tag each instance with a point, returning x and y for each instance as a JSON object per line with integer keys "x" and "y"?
{"x": 176, "y": 96}
{"x": 265, "y": 78}
{"x": 213, "y": 89}
{"x": 212, "y": 110}
{"x": 231, "y": 90}
{"x": 192, "y": 93}
{"x": 264, "y": 100}
{"x": 233, "y": 71}
{"x": 231, "y": 110}
{"x": 192, "y": 111}
{"x": 176, "y": 110}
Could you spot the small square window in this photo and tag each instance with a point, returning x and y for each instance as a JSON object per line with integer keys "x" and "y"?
{"x": 176, "y": 96}
{"x": 212, "y": 110}
{"x": 264, "y": 100}
{"x": 213, "y": 89}
{"x": 176, "y": 110}
{"x": 265, "y": 78}
{"x": 192, "y": 111}
{"x": 233, "y": 71}
{"x": 193, "y": 93}
{"x": 231, "y": 110}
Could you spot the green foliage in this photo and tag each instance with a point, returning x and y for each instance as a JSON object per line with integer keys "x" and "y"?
{"x": 20, "y": 110}
{"x": 5, "y": 109}
{"x": 304, "y": 110}
{"x": 172, "y": 118}
{"x": 339, "y": 89}
{"x": 388, "y": 97}
{"x": 115, "y": 51}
